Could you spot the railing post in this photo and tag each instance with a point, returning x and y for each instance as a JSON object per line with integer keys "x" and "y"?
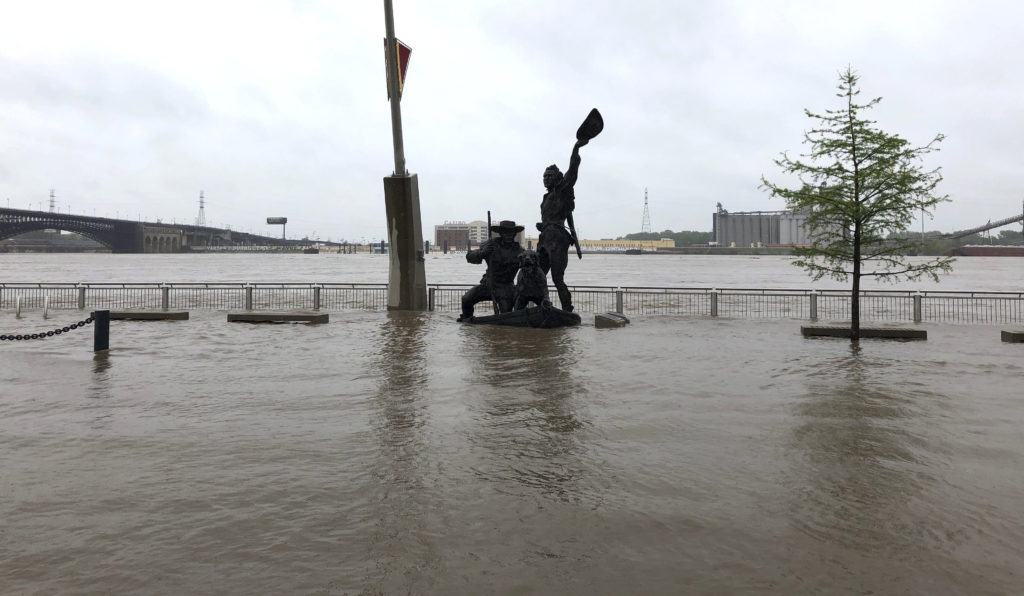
{"x": 17, "y": 307}
{"x": 618, "y": 300}
{"x": 101, "y": 330}
{"x": 316, "y": 297}
{"x": 430, "y": 298}
{"x": 81, "y": 297}
{"x": 814, "y": 305}
{"x": 165, "y": 296}
{"x": 714, "y": 302}
{"x": 917, "y": 307}
{"x": 46, "y": 306}
{"x": 248, "y": 297}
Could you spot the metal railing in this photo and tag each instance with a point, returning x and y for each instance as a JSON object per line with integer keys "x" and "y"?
{"x": 750, "y": 303}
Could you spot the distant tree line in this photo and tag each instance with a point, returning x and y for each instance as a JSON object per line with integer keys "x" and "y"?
{"x": 684, "y": 238}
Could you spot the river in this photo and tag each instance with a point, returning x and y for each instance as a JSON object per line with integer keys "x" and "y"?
{"x": 991, "y": 274}
{"x": 403, "y": 453}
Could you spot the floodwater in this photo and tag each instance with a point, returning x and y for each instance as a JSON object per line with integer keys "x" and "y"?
{"x": 404, "y": 453}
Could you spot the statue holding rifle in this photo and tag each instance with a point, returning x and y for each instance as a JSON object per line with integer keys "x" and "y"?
{"x": 556, "y": 212}
{"x": 498, "y": 283}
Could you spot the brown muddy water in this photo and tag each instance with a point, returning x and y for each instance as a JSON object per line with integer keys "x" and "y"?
{"x": 404, "y": 453}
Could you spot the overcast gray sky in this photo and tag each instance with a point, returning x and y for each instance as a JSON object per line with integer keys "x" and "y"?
{"x": 280, "y": 108}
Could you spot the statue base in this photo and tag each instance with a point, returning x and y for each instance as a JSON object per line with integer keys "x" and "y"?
{"x": 534, "y": 316}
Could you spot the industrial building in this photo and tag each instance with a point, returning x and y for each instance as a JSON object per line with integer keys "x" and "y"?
{"x": 759, "y": 228}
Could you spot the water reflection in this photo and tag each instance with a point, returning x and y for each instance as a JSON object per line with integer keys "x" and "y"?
{"x": 528, "y": 410}
{"x": 99, "y": 382}
{"x": 399, "y": 495}
{"x": 861, "y": 463}
{"x": 400, "y": 360}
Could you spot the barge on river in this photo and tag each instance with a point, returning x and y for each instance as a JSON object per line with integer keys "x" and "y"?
{"x": 990, "y": 251}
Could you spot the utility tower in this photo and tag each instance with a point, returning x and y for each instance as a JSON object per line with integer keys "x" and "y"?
{"x": 53, "y": 201}
{"x": 201, "y": 218}
{"x": 645, "y": 227}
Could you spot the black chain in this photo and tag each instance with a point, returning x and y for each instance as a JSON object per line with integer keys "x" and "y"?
{"x": 46, "y": 334}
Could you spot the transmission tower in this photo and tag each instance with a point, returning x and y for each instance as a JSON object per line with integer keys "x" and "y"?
{"x": 201, "y": 218}
{"x": 53, "y": 201}
{"x": 645, "y": 227}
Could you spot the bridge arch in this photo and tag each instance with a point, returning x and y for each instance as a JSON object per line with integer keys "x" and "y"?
{"x": 95, "y": 236}
{"x": 117, "y": 235}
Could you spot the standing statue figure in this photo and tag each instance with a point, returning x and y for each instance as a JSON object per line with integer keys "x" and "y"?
{"x": 556, "y": 211}
{"x": 498, "y": 282}
{"x": 557, "y": 207}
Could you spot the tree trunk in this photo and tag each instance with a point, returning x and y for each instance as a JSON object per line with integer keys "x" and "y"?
{"x": 855, "y": 291}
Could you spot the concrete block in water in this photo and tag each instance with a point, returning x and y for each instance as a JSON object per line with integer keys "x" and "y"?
{"x": 865, "y": 332}
{"x": 149, "y": 315}
{"x": 609, "y": 320}
{"x": 1013, "y": 336}
{"x": 272, "y": 316}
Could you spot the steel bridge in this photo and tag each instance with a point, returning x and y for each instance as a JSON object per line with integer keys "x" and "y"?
{"x": 128, "y": 236}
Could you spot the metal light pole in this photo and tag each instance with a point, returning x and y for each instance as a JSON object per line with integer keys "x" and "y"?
{"x": 394, "y": 90}
{"x": 407, "y": 285}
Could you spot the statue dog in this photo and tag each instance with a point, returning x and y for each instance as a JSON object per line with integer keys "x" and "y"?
{"x": 531, "y": 282}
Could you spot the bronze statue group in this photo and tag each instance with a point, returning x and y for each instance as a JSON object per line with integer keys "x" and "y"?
{"x": 516, "y": 276}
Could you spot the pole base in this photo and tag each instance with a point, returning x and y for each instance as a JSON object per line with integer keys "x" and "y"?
{"x": 407, "y": 280}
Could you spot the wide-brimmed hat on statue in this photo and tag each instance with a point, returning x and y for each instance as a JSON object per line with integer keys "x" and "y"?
{"x": 507, "y": 225}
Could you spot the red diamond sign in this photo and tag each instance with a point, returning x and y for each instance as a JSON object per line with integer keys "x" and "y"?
{"x": 404, "y": 52}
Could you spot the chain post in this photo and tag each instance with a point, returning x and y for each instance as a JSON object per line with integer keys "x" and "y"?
{"x": 81, "y": 297}
{"x": 101, "y": 331}
{"x": 17, "y": 307}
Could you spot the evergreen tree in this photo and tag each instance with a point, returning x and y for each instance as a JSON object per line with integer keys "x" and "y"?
{"x": 858, "y": 185}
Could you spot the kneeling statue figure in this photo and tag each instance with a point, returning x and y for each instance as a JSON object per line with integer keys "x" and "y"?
{"x": 497, "y": 284}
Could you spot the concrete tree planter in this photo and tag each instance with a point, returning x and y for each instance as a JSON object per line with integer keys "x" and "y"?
{"x": 865, "y": 332}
